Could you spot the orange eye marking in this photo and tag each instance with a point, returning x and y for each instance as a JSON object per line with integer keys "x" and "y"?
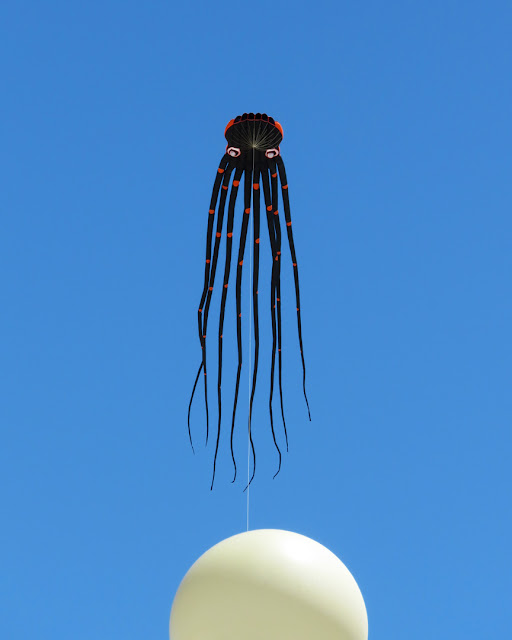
{"x": 230, "y": 235}
{"x": 220, "y": 170}
{"x": 257, "y": 241}
{"x": 256, "y": 186}
{"x": 269, "y": 208}
{"x": 236, "y": 183}
{"x": 247, "y": 211}
{"x": 274, "y": 175}
{"x": 289, "y": 224}
{"x": 211, "y": 211}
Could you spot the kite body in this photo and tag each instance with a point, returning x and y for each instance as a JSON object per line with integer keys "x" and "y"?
{"x": 252, "y": 153}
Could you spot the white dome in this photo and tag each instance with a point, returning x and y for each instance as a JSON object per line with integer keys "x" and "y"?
{"x": 268, "y": 585}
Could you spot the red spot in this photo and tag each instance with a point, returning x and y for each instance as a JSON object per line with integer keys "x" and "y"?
{"x": 225, "y": 187}
{"x": 204, "y": 336}
{"x": 276, "y": 212}
{"x": 278, "y": 299}
{"x": 236, "y": 183}
{"x": 294, "y": 264}
{"x": 205, "y": 373}
{"x": 211, "y": 211}
{"x": 289, "y": 224}
{"x": 211, "y": 288}
{"x": 285, "y": 186}
{"x": 217, "y": 234}
{"x": 247, "y": 211}
{"x": 230, "y": 235}
{"x": 278, "y": 253}
{"x": 269, "y": 208}
{"x": 207, "y": 262}
{"x": 225, "y": 286}
{"x": 298, "y": 309}
{"x": 221, "y": 336}
{"x": 277, "y": 258}
{"x": 256, "y": 186}
{"x": 200, "y": 310}
{"x": 220, "y": 170}
{"x": 279, "y": 349}
{"x": 274, "y": 175}
{"x": 239, "y": 315}
{"x": 257, "y": 241}
{"x": 241, "y": 262}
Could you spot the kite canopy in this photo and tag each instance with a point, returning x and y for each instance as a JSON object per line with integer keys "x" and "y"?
{"x": 270, "y": 584}
{"x": 253, "y": 131}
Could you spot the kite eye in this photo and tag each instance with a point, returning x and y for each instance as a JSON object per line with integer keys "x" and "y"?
{"x": 234, "y": 152}
{"x": 272, "y": 153}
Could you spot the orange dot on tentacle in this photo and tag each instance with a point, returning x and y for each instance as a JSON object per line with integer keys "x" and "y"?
{"x": 274, "y": 175}
{"x": 218, "y": 234}
{"x": 225, "y": 187}
{"x": 220, "y": 170}
{"x": 277, "y": 258}
{"x": 294, "y": 264}
{"x": 207, "y": 262}
{"x": 211, "y": 211}
{"x": 200, "y": 310}
{"x": 256, "y": 185}
{"x": 230, "y": 235}
{"x": 236, "y": 183}
{"x": 225, "y": 286}
{"x": 211, "y": 288}
{"x": 289, "y": 224}
{"x": 278, "y": 299}
{"x": 285, "y": 186}
{"x": 269, "y": 208}
{"x": 241, "y": 262}
{"x": 276, "y": 212}
{"x": 278, "y": 253}
{"x": 298, "y": 309}
{"x": 257, "y": 241}
{"x": 239, "y": 315}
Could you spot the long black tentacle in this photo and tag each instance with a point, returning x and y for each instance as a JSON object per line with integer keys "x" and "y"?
{"x": 287, "y": 216}
{"x": 277, "y": 231}
{"x": 213, "y": 270}
{"x": 271, "y": 234}
{"x": 241, "y": 250}
{"x": 255, "y": 282}
{"x": 227, "y": 268}
{"x": 211, "y": 214}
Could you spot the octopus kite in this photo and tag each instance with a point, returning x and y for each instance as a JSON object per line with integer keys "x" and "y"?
{"x": 253, "y": 152}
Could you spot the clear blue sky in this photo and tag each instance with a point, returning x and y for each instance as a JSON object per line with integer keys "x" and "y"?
{"x": 398, "y": 150}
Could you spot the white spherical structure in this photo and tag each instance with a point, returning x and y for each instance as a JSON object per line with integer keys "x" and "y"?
{"x": 268, "y": 585}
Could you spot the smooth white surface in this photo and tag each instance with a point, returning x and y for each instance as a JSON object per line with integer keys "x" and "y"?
{"x": 268, "y": 584}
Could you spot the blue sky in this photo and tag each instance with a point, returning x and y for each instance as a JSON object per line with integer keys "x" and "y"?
{"x": 397, "y": 146}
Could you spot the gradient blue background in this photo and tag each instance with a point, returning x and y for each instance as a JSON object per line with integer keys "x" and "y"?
{"x": 398, "y": 150}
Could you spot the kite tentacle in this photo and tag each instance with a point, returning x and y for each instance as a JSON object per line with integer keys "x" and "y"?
{"x": 255, "y": 282}
{"x": 271, "y": 234}
{"x": 287, "y": 216}
{"x": 241, "y": 251}
{"x": 277, "y": 231}
{"x": 213, "y": 270}
{"x": 227, "y": 267}
{"x": 211, "y": 214}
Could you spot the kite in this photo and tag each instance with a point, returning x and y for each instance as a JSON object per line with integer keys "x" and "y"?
{"x": 252, "y": 152}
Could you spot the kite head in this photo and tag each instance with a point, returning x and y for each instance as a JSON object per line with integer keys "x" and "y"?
{"x": 253, "y": 132}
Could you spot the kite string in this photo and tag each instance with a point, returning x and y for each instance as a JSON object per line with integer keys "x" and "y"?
{"x": 251, "y": 242}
